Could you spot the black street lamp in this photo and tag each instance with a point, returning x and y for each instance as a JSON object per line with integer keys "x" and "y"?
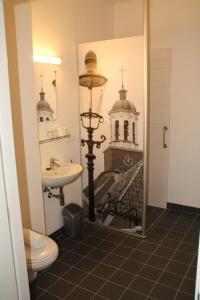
{"x": 91, "y": 121}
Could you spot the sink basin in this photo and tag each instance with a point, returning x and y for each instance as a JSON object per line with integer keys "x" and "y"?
{"x": 60, "y": 176}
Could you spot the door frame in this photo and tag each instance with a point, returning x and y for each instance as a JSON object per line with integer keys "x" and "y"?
{"x": 10, "y": 194}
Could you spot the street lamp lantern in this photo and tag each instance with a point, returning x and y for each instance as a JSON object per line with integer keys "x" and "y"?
{"x": 90, "y": 121}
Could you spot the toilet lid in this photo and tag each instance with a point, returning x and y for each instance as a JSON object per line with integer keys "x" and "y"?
{"x": 45, "y": 253}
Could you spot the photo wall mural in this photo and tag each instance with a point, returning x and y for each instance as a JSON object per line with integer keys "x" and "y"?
{"x": 118, "y": 162}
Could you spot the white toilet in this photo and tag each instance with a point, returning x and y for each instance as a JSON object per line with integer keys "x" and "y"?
{"x": 41, "y": 252}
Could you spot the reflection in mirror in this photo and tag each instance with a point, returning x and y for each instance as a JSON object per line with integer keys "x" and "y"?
{"x": 46, "y": 98}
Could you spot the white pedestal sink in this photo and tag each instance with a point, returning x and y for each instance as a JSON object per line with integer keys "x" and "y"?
{"x": 62, "y": 175}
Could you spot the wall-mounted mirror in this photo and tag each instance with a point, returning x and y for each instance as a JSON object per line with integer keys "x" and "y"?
{"x": 46, "y": 91}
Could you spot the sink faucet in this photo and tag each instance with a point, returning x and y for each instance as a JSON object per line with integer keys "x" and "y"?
{"x": 53, "y": 163}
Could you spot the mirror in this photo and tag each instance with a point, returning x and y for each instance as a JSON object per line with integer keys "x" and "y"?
{"x": 46, "y": 97}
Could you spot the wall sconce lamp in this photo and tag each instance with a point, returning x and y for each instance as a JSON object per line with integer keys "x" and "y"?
{"x": 47, "y": 59}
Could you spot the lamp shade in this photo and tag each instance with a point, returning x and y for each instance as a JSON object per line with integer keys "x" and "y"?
{"x": 91, "y": 78}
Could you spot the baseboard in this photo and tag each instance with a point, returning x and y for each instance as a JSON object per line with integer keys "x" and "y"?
{"x": 183, "y": 208}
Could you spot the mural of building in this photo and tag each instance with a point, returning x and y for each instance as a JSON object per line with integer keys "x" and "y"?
{"x": 119, "y": 188}
{"x": 44, "y": 110}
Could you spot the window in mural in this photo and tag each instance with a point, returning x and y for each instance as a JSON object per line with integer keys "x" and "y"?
{"x": 126, "y": 130}
{"x": 117, "y": 130}
{"x": 133, "y": 128}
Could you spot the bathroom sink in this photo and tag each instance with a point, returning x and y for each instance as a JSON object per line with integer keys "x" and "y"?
{"x": 60, "y": 176}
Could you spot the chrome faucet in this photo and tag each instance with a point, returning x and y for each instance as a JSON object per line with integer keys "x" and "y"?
{"x": 53, "y": 163}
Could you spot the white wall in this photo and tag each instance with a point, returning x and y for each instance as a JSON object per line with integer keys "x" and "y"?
{"x": 128, "y": 18}
{"x": 29, "y": 117}
{"x": 57, "y": 30}
{"x": 175, "y": 24}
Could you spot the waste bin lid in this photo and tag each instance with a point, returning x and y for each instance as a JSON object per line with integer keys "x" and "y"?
{"x": 72, "y": 209}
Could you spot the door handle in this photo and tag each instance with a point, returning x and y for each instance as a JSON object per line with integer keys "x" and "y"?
{"x": 164, "y": 137}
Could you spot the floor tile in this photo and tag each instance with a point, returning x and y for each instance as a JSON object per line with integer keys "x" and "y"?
{"x": 182, "y": 257}
{"x": 111, "y": 291}
{"x": 71, "y": 258}
{"x": 157, "y": 261}
{"x": 82, "y": 249}
{"x": 116, "y": 237}
{"x": 170, "y": 243}
{"x": 122, "y": 278}
{"x": 184, "y": 296}
{"x": 164, "y": 252}
{"x": 97, "y": 254}
{"x": 142, "y": 285}
{"x": 92, "y": 241}
{"x": 163, "y": 292}
{"x": 107, "y": 246}
{"x": 61, "y": 288}
{"x": 113, "y": 260}
{"x": 171, "y": 279}
{"x": 104, "y": 271}
{"x": 35, "y": 291}
{"x": 188, "y": 248}
{"x": 98, "y": 297}
{"x": 178, "y": 268}
{"x": 191, "y": 273}
{"x": 140, "y": 256}
{"x": 88, "y": 229}
{"x": 45, "y": 280}
{"x": 75, "y": 275}
{"x": 48, "y": 296}
{"x": 92, "y": 283}
{"x": 131, "y": 242}
{"x": 130, "y": 295}
{"x": 150, "y": 273}
{"x": 180, "y": 228}
{"x": 68, "y": 244}
{"x": 154, "y": 239}
{"x": 131, "y": 266}
{"x": 58, "y": 268}
{"x": 159, "y": 231}
{"x": 80, "y": 294}
{"x": 188, "y": 286}
{"x": 86, "y": 265}
{"x": 122, "y": 251}
{"x": 175, "y": 235}
{"x": 146, "y": 247}
{"x": 101, "y": 233}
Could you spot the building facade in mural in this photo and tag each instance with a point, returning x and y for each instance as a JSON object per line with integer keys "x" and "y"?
{"x": 44, "y": 110}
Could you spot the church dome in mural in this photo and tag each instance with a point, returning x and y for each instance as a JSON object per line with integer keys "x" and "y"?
{"x": 123, "y": 104}
{"x": 43, "y": 104}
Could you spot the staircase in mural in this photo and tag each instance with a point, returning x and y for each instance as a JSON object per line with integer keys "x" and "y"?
{"x": 119, "y": 195}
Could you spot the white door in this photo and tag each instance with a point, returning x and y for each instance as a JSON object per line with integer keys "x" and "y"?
{"x": 159, "y": 127}
{"x": 8, "y": 285}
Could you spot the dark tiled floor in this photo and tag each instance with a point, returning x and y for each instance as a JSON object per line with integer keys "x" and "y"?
{"x": 103, "y": 264}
